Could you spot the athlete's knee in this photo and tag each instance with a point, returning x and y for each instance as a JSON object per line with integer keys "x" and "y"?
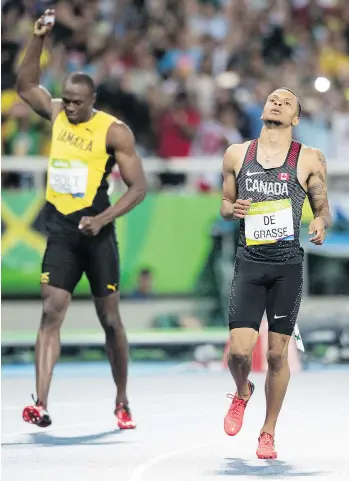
{"x": 240, "y": 354}
{"x": 240, "y": 357}
{"x": 52, "y": 313}
{"x": 112, "y": 324}
{"x": 277, "y": 353}
{"x": 242, "y": 342}
{"x": 109, "y": 314}
{"x": 276, "y": 357}
{"x": 110, "y": 320}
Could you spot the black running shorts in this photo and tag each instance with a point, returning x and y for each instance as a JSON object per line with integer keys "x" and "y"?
{"x": 258, "y": 287}
{"x": 68, "y": 255}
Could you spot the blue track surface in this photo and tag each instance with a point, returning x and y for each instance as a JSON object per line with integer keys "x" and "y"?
{"x": 179, "y": 435}
{"x": 88, "y": 369}
{"x": 102, "y": 369}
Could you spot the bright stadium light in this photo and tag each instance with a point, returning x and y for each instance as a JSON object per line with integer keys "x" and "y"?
{"x": 322, "y": 84}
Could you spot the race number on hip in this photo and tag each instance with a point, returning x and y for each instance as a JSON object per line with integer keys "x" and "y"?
{"x": 269, "y": 222}
{"x": 68, "y": 177}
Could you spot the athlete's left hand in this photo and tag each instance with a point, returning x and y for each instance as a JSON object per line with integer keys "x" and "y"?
{"x": 317, "y": 226}
{"x": 90, "y": 225}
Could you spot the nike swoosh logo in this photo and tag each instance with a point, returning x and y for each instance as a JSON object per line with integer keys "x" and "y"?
{"x": 278, "y": 317}
{"x": 253, "y": 173}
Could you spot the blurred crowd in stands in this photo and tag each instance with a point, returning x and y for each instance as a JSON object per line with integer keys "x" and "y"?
{"x": 189, "y": 77}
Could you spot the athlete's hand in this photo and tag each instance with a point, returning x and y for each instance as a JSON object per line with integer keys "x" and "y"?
{"x": 241, "y": 208}
{"x": 317, "y": 226}
{"x": 90, "y": 226}
{"x": 44, "y": 24}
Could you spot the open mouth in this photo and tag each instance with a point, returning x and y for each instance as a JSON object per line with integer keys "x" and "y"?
{"x": 275, "y": 111}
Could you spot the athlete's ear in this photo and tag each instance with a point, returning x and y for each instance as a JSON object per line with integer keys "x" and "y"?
{"x": 295, "y": 121}
{"x": 94, "y": 99}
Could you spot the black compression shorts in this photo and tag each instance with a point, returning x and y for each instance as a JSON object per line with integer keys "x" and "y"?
{"x": 69, "y": 255}
{"x": 259, "y": 287}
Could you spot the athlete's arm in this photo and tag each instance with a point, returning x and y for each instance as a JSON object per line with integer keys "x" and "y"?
{"x": 232, "y": 208}
{"x": 121, "y": 140}
{"x": 28, "y": 79}
{"x": 317, "y": 194}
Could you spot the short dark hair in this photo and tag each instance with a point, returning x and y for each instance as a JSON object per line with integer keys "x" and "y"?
{"x": 299, "y": 105}
{"x": 145, "y": 272}
{"x": 81, "y": 78}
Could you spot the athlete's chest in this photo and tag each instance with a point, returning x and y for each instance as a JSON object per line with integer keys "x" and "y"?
{"x": 78, "y": 142}
{"x": 270, "y": 217}
{"x": 276, "y": 182}
{"x": 68, "y": 139}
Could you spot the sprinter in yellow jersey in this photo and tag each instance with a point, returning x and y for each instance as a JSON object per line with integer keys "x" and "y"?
{"x": 85, "y": 145}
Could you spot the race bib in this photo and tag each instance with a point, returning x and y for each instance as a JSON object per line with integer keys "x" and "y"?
{"x": 68, "y": 177}
{"x": 269, "y": 222}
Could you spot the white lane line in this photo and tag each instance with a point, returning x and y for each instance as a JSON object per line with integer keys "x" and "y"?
{"x": 104, "y": 423}
{"x": 140, "y": 471}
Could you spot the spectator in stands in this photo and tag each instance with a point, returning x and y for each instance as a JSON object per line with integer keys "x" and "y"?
{"x": 215, "y": 134}
{"x": 213, "y": 137}
{"x": 144, "y": 288}
{"x": 21, "y": 137}
{"x": 12, "y": 11}
{"x": 178, "y": 128}
{"x": 148, "y": 58}
{"x": 182, "y": 55}
{"x": 203, "y": 86}
{"x": 73, "y": 19}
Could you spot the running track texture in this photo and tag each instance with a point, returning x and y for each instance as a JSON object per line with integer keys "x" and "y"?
{"x": 180, "y": 434}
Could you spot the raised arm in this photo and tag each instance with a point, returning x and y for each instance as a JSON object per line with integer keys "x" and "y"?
{"x": 28, "y": 78}
{"x": 232, "y": 208}
{"x": 317, "y": 194}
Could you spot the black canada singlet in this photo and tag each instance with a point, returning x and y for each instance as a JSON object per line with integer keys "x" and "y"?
{"x": 270, "y": 233}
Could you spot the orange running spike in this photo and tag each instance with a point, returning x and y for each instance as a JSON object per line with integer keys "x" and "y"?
{"x": 266, "y": 447}
{"x": 235, "y": 416}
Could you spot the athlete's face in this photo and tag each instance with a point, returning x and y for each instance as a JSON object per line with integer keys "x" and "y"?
{"x": 78, "y": 102}
{"x": 281, "y": 109}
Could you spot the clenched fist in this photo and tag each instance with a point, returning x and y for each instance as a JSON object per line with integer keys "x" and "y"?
{"x": 240, "y": 208}
{"x": 90, "y": 226}
{"x": 44, "y": 24}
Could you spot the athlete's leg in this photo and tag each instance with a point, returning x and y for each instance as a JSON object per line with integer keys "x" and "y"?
{"x": 246, "y": 307}
{"x": 102, "y": 270}
{"x": 283, "y": 302}
{"x": 61, "y": 271}
{"x": 277, "y": 379}
{"x": 242, "y": 342}
{"x": 116, "y": 342}
{"x": 47, "y": 350}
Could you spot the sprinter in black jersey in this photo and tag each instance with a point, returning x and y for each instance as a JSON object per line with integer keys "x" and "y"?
{"x": 265, "y": 184}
